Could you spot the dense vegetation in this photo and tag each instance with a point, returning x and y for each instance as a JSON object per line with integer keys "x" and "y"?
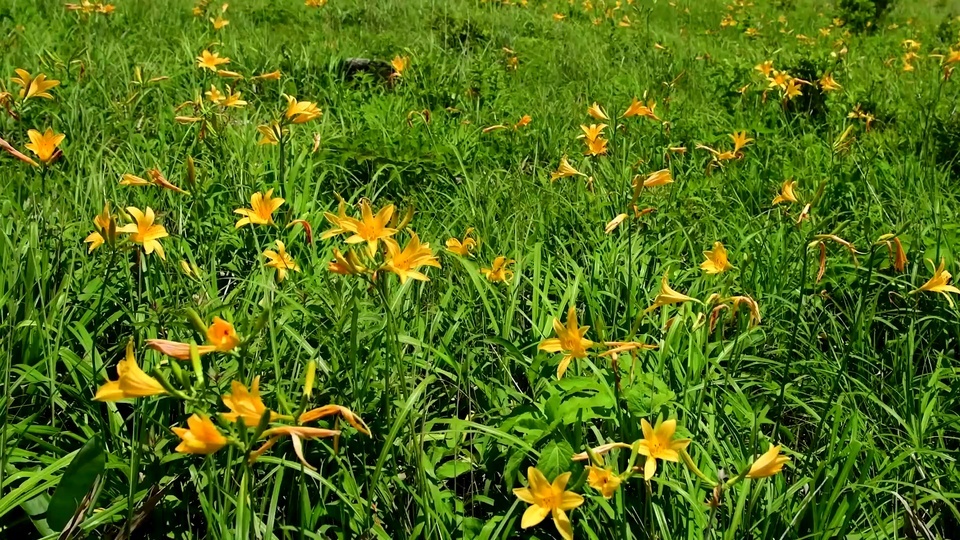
{"x": 752, "y": 206}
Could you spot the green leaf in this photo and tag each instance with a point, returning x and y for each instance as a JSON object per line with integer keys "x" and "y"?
{"x": 555, "y": 459}
{"x": 75, "y": 483}
{"x": 453, "y": 469}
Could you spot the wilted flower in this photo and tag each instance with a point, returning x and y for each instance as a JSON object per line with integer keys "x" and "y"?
{"x": 345, "y": 265}
{"x": 614, "y": 223}
{"x": 271, "y": 133}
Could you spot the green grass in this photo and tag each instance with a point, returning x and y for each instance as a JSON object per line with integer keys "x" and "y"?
{"x": 853, "y": 375}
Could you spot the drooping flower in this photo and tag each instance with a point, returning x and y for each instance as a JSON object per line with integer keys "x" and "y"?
{"x": 245, "y": 404}
{"x": 564, "y": 170}
{"x": 787, "y": 193}
{"x": 637, "y": 108}
{"x": 668, "y": 296}
{"x": 658, "y": 443}
{"x": 272, "y": 76}
{"x": 45, "y": 145}
{"x": 499, "y": 271}
{"x": 145, "y": 231}
{"x": 208, "y": 60}
{"x": 464, "y": 247}
{"x": 281, "y": 260}
{"x": 200, "y": 437}
{"x": 603, "y": 480}
{"x": 221, "y": 337}
{"x": 768, "y": 464}
{"x": 296, "y": 434}
{"x": 301, "y": 112}
{"x": 546, "y": 499}
{"x": 752, "y": 306}
{"x": 657, "y": 178}
{"x": 132, "y": 382}
{"x": 404, "y": 263}
{"x": 103, "y": 223}
{"x": 369, "y": 228}
{"x": 262, "y": 207}
{"x": 31, "y": 86}
{"x": 940, "y": 283}
{"x": 716, "y": 262}
{"x": 271, "y": 134}
{"x": 597, "y": 112}
{"x": 328, "y": 410}
{"x": 569, "y": 340}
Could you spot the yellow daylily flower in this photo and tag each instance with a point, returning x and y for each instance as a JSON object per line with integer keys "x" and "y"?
{"x": 369, "y": 228}
{"x": 939, "y": 283}
{"x": 346, "y": 265}
{"x": 637, "y": 108}
{"x": 614, "y": 223}
{"x": 596, "y": 147}
{"x": 769, "y": 464}
{"x": 145, "y": 231}
{"x": 569, "y": 340}
{"x": 222, "y": 335}
{"x": 200, "y": 437}
{"x": 404, "y": 263}
{"x": 400, "y": 64}
{"x": 499, "y": 271}
{"x": 546, "y": 499}
{"x": 657, "y": 178}
{"x": 245, "y": 405}
{"x": 45, "y": 145}
{"x": 564, "y": 170}
{"x": 232, "y": 99}
{"x": 787, "y": 193}
{"x": 214, "y": 94}
{"x": 208, "y": 60}
{"x": 103, "y": 223}
{"x": 668, "y": 296}
{"x": 464, "y": 247}
{"x": 272, "y": 76}
{"x": 132, "y": 382}
{"x": 300, "y": 112}
{"x": 281, "y": 260}
{"x": 740, "y": 140}
{"x": 31, "y": 86}
{"x": 659, "y": 444}
{"x": 592, "y": 132}
{"x": 765, "y": 68}
{"x": 597, "y": 112}
{"x": 603, "y": 480}
{"x": 828, "y": 84}
{"x": 271, "y": 134}
{"x": 219, "y": 23}
{"x": 262, "y": 207}
{"x": 716, "y": 262}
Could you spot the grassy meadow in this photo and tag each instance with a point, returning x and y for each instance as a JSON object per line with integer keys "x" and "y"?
{"x": 477, "y": 269}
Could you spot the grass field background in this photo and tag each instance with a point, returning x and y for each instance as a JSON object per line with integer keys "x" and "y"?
{"x": 852, "y": 369}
